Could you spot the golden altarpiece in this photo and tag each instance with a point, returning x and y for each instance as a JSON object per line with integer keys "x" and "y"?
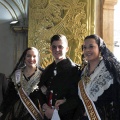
{"x": 73, "y": 18}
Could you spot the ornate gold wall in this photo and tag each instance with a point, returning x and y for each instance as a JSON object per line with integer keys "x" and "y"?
{"x": 73, "y": 18}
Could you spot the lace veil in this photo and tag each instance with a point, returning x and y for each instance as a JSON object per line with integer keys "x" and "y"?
{"x": 111, "y": 62}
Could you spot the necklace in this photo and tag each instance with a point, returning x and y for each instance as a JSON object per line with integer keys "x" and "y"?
{"x": 85, "y": 76}
{"x": 30, "y": 73}
{"x": 87, "y": 73}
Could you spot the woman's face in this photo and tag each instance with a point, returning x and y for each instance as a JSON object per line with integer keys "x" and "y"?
{"x": 91, "y": 50}
{"x": 31, "y": 58}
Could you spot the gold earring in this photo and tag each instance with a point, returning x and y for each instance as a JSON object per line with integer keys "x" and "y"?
{"x": 100, "y": 56}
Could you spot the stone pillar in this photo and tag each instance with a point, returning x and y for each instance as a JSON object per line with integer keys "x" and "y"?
{"x": 108, "y": 22}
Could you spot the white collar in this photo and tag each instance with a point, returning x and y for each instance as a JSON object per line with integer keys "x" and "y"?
{"x": 100, "y": 81}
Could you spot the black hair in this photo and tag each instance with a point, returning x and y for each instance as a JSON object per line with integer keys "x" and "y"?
{"x": 58, "y": 37}
{"x": 96, "y": 38}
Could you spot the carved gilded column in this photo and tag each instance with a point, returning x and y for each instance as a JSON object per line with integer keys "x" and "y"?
{"x": 108, "y": 22}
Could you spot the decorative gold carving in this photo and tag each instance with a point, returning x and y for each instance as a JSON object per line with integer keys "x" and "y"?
{"x": 73, "y": 18}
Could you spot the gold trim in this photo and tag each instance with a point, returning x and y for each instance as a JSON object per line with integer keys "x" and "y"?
{"x": 88, "y": 104}
{"x": 30, "y": 105}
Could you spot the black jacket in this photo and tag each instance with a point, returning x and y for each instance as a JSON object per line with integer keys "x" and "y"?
{"x": 64, "y": 85}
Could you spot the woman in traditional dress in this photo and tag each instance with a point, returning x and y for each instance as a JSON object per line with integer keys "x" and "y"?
{"x": 22, "y": 98}
{"x": 99, "y": 87}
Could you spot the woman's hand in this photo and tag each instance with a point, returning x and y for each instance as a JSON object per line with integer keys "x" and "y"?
{"x": 58, "y": 103}
{"x": 45, "y": 107}
{"x": 49, "y": 112}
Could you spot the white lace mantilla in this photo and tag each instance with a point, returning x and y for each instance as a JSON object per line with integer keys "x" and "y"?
{"x": 32, "y": 84}
{"x": 100, "y": 81}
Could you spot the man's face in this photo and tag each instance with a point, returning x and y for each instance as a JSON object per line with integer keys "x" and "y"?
{"x": 59, "y": 49}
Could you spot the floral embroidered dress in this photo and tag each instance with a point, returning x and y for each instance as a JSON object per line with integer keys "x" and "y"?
{"x": 12, "y": 107}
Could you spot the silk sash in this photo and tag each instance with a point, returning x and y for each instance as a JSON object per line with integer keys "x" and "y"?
{"x": 88, "y": 103}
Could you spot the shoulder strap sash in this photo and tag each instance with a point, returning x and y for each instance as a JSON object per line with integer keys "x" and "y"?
{"x": 88, "y": 103}
{"x": 32, "y": 109}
